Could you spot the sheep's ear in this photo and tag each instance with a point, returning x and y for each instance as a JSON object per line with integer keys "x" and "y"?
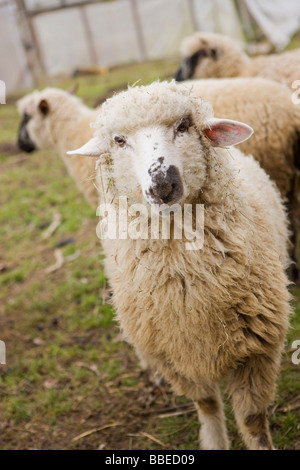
{"x": 225, "y": 132}
{"x": 214, "y": 53}
{"x": 44, "y": 107}
{"x": 92, "y": 148}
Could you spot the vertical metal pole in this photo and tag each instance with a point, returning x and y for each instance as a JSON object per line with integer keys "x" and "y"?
{"x": 245, "y": 19}
{"x": 89, "y": 37}
{"x": 192, "y": 14}
{"x": 35, "y": 60}
{"x": 139, "y": 30}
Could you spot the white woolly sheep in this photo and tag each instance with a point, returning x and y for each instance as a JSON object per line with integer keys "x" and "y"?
{"x": 206, "y": 55}
{"x": 197, "y": 316}
{"x": 53, "y": 118}
{"x": 264, "y": 104}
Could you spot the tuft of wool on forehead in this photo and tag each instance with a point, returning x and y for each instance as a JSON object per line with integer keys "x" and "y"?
{"x": 160, "y": 103}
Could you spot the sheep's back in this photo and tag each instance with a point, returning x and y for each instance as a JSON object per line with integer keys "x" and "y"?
{"x": 283, "y": 68}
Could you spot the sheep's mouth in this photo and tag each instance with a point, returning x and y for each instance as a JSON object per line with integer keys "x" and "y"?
{"x": 24, "y": 141}
{"x": 174, "y": 197}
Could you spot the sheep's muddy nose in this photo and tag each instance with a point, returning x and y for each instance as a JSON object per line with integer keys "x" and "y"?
{"x": 167, "y": 187}
{"x": 24, "y": 141}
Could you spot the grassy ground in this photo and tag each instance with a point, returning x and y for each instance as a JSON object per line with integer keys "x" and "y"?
{"x": 67, "y": 371}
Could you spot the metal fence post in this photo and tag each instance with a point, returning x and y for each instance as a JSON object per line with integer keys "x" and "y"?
{"x": 139, "y": 30}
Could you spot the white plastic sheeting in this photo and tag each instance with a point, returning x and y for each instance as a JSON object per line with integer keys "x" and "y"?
{"x": 62, "y": 41}
{"x": 40, "y": 4}
{"x": 107, "y": 33}
{"x": 113, "y": 32}
{"x": 164, "y": 24}
{"x": 279, "y": 19}
{"x": 13, "y": 63}
{"x": 122, "y": 31}
{"x": 219, "y": 16}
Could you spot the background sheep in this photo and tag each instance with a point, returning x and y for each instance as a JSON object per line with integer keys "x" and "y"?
{"x": 54, "y": 118}
{"x": 267, "y": 107}
{"x": 201, "y": 315}
{"x": 207, "y": 55}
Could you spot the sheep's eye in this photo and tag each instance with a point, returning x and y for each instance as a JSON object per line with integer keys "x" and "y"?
{"x": 120, "y": 140}
{"x": 183, "y": 125}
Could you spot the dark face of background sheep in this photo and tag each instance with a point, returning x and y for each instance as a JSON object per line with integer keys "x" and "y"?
{"x": 207, "y": 55}
{"x": 33, "y": 132}
{"x": 188, "y": 66}
{"x": 24, "y": 141}
{"x": 200, "y": 53}
{"x": 155, "y": 142}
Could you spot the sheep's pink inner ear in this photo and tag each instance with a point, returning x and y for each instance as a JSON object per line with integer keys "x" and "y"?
{"x": 92, "y": 148}
{"x": 225, "y": 132}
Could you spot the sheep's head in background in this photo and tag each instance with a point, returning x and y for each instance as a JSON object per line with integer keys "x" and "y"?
{"x": 207, "y": 55}
{"x": 35, "y": 131}
{"x": 154, "y": 143}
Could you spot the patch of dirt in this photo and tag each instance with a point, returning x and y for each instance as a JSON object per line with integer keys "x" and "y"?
{"x": 9, "y": 148}
{"x": 123, "y": 417}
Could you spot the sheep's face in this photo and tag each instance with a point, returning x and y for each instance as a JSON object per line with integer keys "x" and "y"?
{"x": 159, "y": 141}
{"x": 41, "y": 111}
{"x": 201, "y": 64}
{"x": 34, "y": 132}
{"x": 155, "y": 162}
{"x": 206, "y": 55}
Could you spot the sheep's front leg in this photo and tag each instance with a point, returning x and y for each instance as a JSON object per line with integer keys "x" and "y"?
{"x": 213, "y": 433}
{"x": 208, "y": 401}
{"x": 252, "y": 387}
